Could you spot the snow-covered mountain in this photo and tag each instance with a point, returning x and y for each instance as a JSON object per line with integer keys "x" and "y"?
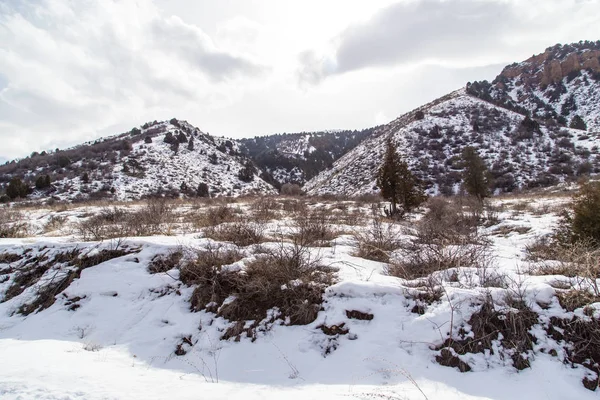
{"x": 168, "y": 157}
{"x": 521, "y": 124}
{"x": 297, "y": 157}
{"x": 559, "y": 84}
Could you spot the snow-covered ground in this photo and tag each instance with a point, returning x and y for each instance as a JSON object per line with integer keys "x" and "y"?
{"x": 118, "y": 342}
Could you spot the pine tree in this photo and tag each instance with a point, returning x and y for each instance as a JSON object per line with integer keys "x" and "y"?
{"x": 191, "y": 143}
{"x": 476, "y": 179}
{"x": 16, "y": 188}
{"x": 203, "y": 190}
{"x": 578, "y": 123}
{"x": 246, "y": 174}
{"x": 398, "y": 185}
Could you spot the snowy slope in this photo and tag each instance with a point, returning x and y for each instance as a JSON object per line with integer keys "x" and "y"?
{"x": 432, "y": 147}
{"x": 556, "y": 85}
{"x": 112, "y": 333}
{"x": 140, "y": 163}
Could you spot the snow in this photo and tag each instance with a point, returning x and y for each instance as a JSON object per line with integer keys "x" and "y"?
{"x": 120, "y": 342}
{"x": 526, "y": 160}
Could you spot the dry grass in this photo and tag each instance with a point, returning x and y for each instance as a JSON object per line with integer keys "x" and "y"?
{"x": 58, "y": 272}
{"x": 287, "y": 279}
{"x": 313, "y": 228}
{"x": 450, "y": 221}
{"x": 13, "y": 224}
{"x": 509, "y": 327}
{"x": 240, "y": 233}
{"x": 419, "y": 260}
{"x": 379, "y": 240}
{"x": 155, "y": 217}
{"x": 580, "y": 262}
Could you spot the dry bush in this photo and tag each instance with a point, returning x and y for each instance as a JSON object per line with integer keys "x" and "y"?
{"x": 378, "y": 241}
{"x": 313, "y": 228}
{"x": 543, "y": 248}
{"x": 217, "y": 215}
{"x": 265, "y": 209}
{"x": 205, "y": 269}
{"x": 580, "y": 340}
{"x": 55, "y": 222}
{"x": 293, "y": 205}
{"x": 165, "y": 262}
{"x": 287, "y": 279}
{"x": 448, "y": 222}
{"x": 418, "y": 260}
{"x": 240, "y": 233}
{"x": 505, "y": 330}
{"x": 155, "y": 217}
{"x": 291, "y": 189}
{"x": 580, "y": 262}
{"x": 13, "y": 224}
{"x": 573, "y": 299}
{"x": 107, "y": 224}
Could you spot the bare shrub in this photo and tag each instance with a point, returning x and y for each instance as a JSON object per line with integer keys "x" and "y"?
{"x": 448, "y": 222}
{"x": 293, "y": 205}
{"x": 506, "y": 330}
{"x": 155, "y": 217}
{"x": 108, "y": 224}
{"x": 265, "y": 209}
{"x": 165, "y": 262}
{"x": 217, "y": 215}
{"x": 241, "y": 233}
{"x": 13, "y": 224}
{"x": 378, "y": 241}
{"x": 580, "y": 340}
{"x": 291, "y": 189}
{"x": 417, "y": 260}
{"x": 313, "y": 228}
{"x": 55, "y": 222}
{"x": 286, "y": 279}
{"x": 580, "y": 262}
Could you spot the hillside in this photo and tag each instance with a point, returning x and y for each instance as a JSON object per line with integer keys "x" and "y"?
{"x": 160, "y": 158}
{"x": 521, "y": 152}
{"x": 555, "y": 86}
{"x": 298, "y": 157}
{"x": 191, "y": 311}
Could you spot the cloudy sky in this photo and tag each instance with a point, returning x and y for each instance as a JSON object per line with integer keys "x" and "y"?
{"x": 74, "y": 70}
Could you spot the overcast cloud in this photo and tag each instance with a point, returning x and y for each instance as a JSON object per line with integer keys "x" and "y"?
{"x": 72, "y": 71}
{"x": 447, "y": 32}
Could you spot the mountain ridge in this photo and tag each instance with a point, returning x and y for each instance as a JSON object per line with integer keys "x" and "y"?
{"x": 536, "y": 124}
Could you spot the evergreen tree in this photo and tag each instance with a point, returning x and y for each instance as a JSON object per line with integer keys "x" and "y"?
{"x": 191, "y": 143}
{"x": 202, "y": 190}
{"x": 16, "y": 189}
{"x": 246, "y": 174}
{"x": 578, "y": 123}
{"x": 476, "y": 180}
{"x": 398, "y": 185}
{"x": 42, "y": 182}
{"x": 85, "y": 178}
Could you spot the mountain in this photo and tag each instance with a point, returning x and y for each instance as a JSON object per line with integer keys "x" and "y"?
{"x": 516, "y": 123}
{"x": 156, "y": 158}
{"x": 555, "y": 86}
{"x": 298, "y": 157}
{"x": 536, "y": 124}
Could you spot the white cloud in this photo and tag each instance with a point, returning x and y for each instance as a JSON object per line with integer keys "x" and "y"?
{"x": 449, "y": 32}
{"x": 71, "y": 69}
